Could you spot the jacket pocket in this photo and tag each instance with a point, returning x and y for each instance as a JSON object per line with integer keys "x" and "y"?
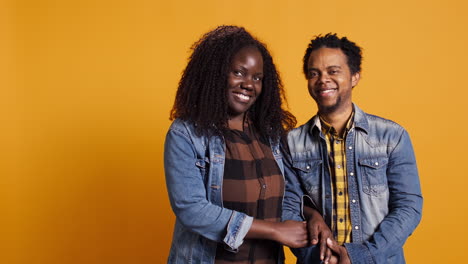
{"x": 309, "y": 175}
{"x": 374, "y": 175}
{"x": 202, "y": 165}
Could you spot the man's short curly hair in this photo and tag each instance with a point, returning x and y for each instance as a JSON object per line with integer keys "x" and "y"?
{"x": 201, "y": 96}
{"x": 350, "y": 49}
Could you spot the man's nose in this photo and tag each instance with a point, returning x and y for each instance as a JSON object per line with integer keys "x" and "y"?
{"x": 324, "y": 78}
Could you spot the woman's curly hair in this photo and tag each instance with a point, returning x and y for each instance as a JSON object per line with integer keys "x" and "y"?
{"x": 201, "y": 96}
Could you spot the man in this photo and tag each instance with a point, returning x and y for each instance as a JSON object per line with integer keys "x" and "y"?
{"x": 357, "y": 170}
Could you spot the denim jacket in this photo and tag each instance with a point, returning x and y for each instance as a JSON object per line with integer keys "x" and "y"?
{"x": 384, "y": 190}
{"x": 194, "y": 168}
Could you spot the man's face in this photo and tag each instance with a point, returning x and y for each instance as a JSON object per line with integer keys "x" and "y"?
{"x": 330, "y": 80}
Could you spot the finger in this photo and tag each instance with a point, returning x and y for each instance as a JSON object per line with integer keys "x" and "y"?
{"x": 328, "y": 255}
{"x": 333, "y": 260}
{"x": 323, "y": 247}
{"x": 332, "y": 245}
{"x": 300, "y": 243}
{"x": 313, "y": 233}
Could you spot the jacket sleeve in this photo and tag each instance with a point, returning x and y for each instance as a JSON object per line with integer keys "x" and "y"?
{"x": 293, "y": 195}
{"x": 188, "y": 194}
{"x": 405, "y": 207}
{"x": 293, "y": 204}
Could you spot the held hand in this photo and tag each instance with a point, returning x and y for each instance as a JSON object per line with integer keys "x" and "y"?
{"x": 318, "y": 232}
{"x": 340, "y": 251}
{"x": 292, "y": 233}
{"x": 333, "y": 260}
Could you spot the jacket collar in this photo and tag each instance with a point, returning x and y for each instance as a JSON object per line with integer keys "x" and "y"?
{"x": 360, "y": 120}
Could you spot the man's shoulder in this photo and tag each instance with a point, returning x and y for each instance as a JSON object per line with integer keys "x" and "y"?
{"x": 302, "y": 129}
{"x": 374, "y": 123}
{"x": 378, "y": 130}
{"x": 382, "y": 123}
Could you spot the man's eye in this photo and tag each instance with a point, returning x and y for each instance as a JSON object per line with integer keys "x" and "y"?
{"x": 334, "y": 72}
{"x": 312, "y": 74}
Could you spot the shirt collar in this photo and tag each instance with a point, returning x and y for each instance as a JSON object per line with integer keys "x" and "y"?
{"x": 327, "y": 128}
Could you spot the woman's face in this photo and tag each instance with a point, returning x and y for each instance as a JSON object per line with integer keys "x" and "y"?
{"x": 244, "y": 81}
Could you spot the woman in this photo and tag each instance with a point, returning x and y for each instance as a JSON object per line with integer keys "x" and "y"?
{"x": 224, "y": 170}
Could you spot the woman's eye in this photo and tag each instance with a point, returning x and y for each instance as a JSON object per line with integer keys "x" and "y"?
{"x": 257, "y": 78}
{"x": 237, "y": 73}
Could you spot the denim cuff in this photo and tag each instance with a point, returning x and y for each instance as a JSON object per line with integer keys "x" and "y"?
{"x": 307, "y": 201}
{"x": 237, "y": 229}
{"x": 359, "y": 253}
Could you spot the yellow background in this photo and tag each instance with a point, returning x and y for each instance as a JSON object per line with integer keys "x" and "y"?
{"x": 86, "y": 88}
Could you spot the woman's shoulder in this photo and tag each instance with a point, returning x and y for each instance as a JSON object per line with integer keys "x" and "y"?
{"x": 186, "y": 128}
{"x": 180, "y": 126}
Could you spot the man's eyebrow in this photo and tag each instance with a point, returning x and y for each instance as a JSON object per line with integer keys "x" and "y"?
{"x": 331, "y": 66}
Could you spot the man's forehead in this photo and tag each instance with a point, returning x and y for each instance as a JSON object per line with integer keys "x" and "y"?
{"x": 327, "y": 53}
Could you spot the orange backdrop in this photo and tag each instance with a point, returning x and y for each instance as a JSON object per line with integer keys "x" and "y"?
{"x": 85, "y": 92}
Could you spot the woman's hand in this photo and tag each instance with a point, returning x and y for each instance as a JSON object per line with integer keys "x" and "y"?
{"x": 339, "y": 251}
{"x": 289, "y": 233}
{"x": 292, "y": 233}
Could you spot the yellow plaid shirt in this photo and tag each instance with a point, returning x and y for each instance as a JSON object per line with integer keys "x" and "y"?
{"x": 341, "y": 219}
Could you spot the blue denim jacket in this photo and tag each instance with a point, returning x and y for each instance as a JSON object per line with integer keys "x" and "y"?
{"x": 194, "y": 168}
{"x": 384, "y": 189}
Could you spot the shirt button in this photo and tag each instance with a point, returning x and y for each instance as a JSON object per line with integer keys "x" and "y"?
{"x": 350, "y": 147}
{"x": 338, "y": 166}
{"x": 356, "y": 227}
{"x": 351, "y": 173}
{"x": 337, "y": 142}
{"x": 340, "y": 193}
{"x": 263, "y": 186}
{"x": 341, "y": 220}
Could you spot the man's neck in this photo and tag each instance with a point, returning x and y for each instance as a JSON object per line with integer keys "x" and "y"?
{"x": 337, "y": 119}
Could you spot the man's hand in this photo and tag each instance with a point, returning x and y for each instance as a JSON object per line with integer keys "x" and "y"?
{"x": 339, "y": 251}
{"x": 318, "y": 232}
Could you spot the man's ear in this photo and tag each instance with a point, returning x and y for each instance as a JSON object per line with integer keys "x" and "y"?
{"x": 355, "y": 79}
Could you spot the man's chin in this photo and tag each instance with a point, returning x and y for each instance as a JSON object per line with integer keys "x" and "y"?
{"x": 327, "y": 108}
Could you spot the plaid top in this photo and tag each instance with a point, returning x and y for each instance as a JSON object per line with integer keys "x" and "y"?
{"x": 252, "y": 184}
{"x": 341, "y": 218}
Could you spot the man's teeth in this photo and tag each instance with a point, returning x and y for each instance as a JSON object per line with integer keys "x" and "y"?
{"x": 327, "y": 91}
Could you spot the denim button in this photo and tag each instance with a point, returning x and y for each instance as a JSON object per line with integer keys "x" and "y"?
{"x": 376, "y": 164}
{"x": 351, "y": 173}
{"x": 350, "y": 147}
{"x": 353, "y": 201}
{"x": 356, "y": 227}
{"x": 308, "y": 167}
